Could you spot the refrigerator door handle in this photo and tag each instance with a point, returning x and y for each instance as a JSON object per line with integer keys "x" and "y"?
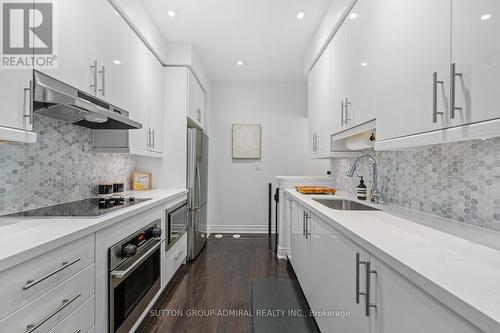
{"x": 198, "y": 180}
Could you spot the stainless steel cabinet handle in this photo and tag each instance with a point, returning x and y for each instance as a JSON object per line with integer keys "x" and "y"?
{"x": 149, "y": 138}
{"x": 33, "y": 327}
{"x": 453, "y": 76}
{"x": 342, "y": 106}
{"x": 93, "y": 85}
{"x": 303, "y": 223}
{"x": 179, "y": 254}
{"x": 153, "y": 134}
{"x": 308, "y": 219}
{"x": 29, "y": 100}
{"x": 358, "y": 263}
{"x": 346, "y": 105}
{"x": 368, "y": 304}
{"x": 31, "y": 283}
{"x": 198, "y": 110}
{"x": 435, "y": 83}
{"x": 102, "y": 73}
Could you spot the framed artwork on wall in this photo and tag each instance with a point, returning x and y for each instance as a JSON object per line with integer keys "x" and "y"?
{"x": 246, "y": 141}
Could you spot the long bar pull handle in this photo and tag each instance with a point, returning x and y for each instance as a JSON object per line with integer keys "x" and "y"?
{"x": 102, "y": 73}
{"x": 342, "y": 112}
{"x": 303, "y": 223}
{"x": 358, "y": 263}
{"x": 93, "y": 85}
{"x": 347, "y": 103}
{"x": 453, "y": 76}
{"x": 153, "y": 134}
{"x": 308, "y": 221}
{"x": 368, "y": 304}
{"x": 29, "y": 100}
{"x": 31, "y": 283}
{"x": 435, "y": 83}
{"x": 33, "y": 327}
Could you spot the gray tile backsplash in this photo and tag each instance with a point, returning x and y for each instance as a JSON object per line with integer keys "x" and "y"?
{"x": 60, "y": 167}
{"x": 460, "y": 181}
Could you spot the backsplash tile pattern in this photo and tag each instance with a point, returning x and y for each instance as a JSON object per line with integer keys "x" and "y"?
{"x": 460, "y": 181}
{"x": 60, "y": 167}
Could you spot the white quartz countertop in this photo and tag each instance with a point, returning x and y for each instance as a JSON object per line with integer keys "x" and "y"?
{"x": 463, "y": 274}
{"x": 23, "y": 238}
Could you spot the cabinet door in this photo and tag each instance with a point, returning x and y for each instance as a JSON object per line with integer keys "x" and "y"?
{"x": 139, "y": 90}
{"x": 76, "y": 40}
{"x": 339, "y": 75}
{"x": 196, "y": 100}
{"x": 402, "y": 307}
{"x": 476, "y": 52}
{"x": 412, "y": 41}
{"x": 299, "y": 244}
{"x": 156, "y": 111}
{"x": 113, "y": 54}
{"x": 333, "y": 263}
{"x": 15, "y": 96}
{"x": 359, "y": 66}
{"x": 319, "y": 103}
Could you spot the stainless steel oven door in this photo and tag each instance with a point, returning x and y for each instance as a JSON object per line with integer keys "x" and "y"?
{"x": 132, "y": 287}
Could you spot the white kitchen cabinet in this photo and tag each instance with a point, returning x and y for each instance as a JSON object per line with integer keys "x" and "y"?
{"x": 339, "y": 90}
{"x": 172, "y": 259}
{"x": 412, "y": 43}
{"x": 319, "y": 112}
{"x": 196, "y": 111}
{"x": 403, "y": 307}
{"x": 156, "y": 109}
{"x": 15, "y": 93}
{"x": 299, "y": 245}
{"x": 76, "y": 44}
{"x": 333, "y": 284}
{"x": 139, "y": 89}
{"x": 113, "y": 56}
{"x": 476, "y": 55}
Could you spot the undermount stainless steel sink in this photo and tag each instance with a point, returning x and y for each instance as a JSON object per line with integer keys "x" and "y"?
{"x": 341, "y": 204}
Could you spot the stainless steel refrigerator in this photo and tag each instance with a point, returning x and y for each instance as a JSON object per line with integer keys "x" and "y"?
{"x": 197, "y": 183}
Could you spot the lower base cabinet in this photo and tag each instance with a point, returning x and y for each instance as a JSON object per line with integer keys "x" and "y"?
{"x": 351, "y": 291}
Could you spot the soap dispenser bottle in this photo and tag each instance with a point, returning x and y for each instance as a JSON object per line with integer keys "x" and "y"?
{"x": 361, "y": 190}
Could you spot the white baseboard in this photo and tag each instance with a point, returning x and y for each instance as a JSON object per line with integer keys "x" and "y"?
{"x": 239, "y": 229}
{"x": 283, "y": 252}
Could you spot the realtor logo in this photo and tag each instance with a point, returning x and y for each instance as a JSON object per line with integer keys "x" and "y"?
{"x": 28, "y": 32}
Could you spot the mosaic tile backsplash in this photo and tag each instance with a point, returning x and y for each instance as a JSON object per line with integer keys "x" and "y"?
{"x": 61, "y": 167}
{"x": 460, "y": 181}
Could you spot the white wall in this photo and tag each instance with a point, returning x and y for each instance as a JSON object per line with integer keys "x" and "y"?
{"x": 238, "y": 196}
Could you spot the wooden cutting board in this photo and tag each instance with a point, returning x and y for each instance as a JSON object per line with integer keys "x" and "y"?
{"x": 315, "y": 189}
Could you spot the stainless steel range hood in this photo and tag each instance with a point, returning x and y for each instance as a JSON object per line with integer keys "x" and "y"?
{"x": 55, "y": 99}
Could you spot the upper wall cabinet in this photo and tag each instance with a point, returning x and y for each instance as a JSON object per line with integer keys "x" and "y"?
{"x": 431, "y": 88}
{"x": 475, "y": 61}
{"x": 113, "y": 56}
{"x": 412, "y": 66}
{"x": 196, "y": 108}
{"x": 77, "y": 46}
{"x": 352, "y": 69}
{"x": 318, "y": 82}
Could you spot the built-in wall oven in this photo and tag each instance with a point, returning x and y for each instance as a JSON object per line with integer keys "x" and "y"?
{"x": 134, "y": 276}
{"x": 177, "y": 223}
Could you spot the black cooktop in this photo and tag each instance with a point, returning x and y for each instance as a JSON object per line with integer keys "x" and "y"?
{"x": 81, "y": 208}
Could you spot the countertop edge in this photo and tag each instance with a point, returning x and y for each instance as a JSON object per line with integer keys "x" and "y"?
{"x": 27, "y": 254}
{"x": 439, "y": 293}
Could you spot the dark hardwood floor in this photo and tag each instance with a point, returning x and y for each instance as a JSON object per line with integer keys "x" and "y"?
{"x": 219, "y": 279}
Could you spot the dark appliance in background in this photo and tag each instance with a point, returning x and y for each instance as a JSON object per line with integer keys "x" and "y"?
{"x": 177, "y": 223}
{"x": 134, "y": 276}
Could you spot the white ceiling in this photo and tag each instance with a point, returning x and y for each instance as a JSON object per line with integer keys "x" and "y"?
{"x": 265, "y": 34}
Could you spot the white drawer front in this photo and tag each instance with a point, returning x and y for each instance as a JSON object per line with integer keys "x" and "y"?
{"x": 79, "y": 321}
{"x": 52, "y": 307}
{"x": 174, "y": 258}
{"x": 29, "y": 280}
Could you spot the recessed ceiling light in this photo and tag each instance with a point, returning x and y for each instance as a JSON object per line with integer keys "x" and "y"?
{"x": 353, "y": 16}
{"x": 485, "y": 17}
{"x": 240, "y": 63}
{"x": 117, "y": 62}
{"x": 300, "y": 15}
{"x": 171, "y": 13}
{"x": 364, "y": 64}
